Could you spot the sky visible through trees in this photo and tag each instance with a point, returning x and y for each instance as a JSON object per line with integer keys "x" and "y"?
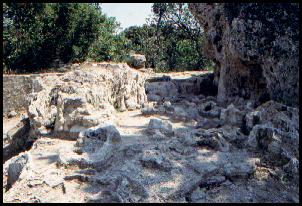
{"x": 46, "y": 35}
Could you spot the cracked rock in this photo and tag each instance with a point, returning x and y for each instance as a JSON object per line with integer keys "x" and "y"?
{"x": 15, "y": 168}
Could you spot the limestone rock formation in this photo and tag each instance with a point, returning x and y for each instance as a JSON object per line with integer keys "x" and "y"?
{"x": 186, "y": 147}
{"x": 164, "y": 127}
{"x": 12, "y": 114}
{"x": 95, "y": 147}
{"x": 165, "y": 88}
{"x": 255, "y": 48}
{"x": 274, "y": 130}
{"x": 16, "y": 168}
{"x": 85, "y": 97}
{"x": 16, "y": 139}
{"x": 153, "y": 159}
{"x": 209, "y": 123}
{"x": 231, "y": 115}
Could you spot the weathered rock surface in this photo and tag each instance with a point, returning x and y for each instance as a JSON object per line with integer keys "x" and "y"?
{"x": 137, "y": 61}
{"x": 164, "y": 127}
{"x": 15, "y": 90}
{"x": 165, "y": 88}
{"x": 153, "y": 159}
{"x": 95, "y": 147}
{"x": 14, "y": 168}
{"x": 17, "y": 139}
{"x": 274, "y": 131}
{"x": 209, "y": 123}
{"x": 84, "y": 98}
{"x": 209, "y": 109}
{"x": 170, "y": 162}
{"x": 12, "y": 114}
{"x": 255, "y": 48}
{"x": 188, "y": 148}
{"x": 232, "y": 116}
{"x": 210, "y": 138}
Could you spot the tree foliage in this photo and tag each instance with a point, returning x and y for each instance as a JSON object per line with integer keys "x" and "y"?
{"x": 38, "y": 35}
{"x": 43, "y": 35}
{"x": 171, "y": 40}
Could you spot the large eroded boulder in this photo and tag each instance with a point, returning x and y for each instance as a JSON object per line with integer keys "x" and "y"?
{"x": 255, "y": 48}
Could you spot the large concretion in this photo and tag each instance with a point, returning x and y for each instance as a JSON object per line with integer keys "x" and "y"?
{"x": 85, "y": 97}
{"x": 255, "y": 48}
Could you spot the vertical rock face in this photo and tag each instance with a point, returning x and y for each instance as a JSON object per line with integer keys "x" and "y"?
{"x": 15, "y": 90}
{"x": 255, "y": 48}
{"x": 17, "y": 139}
{"x": 16, "y": 167}
{"x": 168, "y": 89}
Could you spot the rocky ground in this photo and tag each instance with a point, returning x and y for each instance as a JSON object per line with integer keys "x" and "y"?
{"x": 176, "y": 144}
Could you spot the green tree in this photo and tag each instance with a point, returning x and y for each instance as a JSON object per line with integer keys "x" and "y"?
{"x": 171, "y": 39}
{"x": 40, "y": 35}
{"x": 108, "y": 44}
{"x": 22, "y": 25}
{"x": 143, "y": 40}
{"x": 178, "y": 16}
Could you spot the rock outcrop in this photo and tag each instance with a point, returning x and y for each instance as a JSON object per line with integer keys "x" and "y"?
{"x": 230, "y": 153}
{"x": 85, "y": 97}
{"x": 16, "y": 168}
{"x": 17, "y": 139}
{"x": 184, "y": 146}
{"x": 15, "y": 90}
{"x": 165, "y": 88}
{"x": 255, "y": 48}
{"x": 275, "y": 133}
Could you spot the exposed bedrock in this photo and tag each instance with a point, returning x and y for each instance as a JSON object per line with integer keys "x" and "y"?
{"x": 85, "y": 97}
{"x": 17, "y": 139}
{"x": 166, "y": 88}
{"x": 255, "y": 48}
{"x": 16, "y": 169}
{"x": 250, "y": 154}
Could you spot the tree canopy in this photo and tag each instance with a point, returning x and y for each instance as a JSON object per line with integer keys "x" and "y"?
{"x": 38, "y": 35}
{"x": 43, "y": 35}
{"x": 171, "y": 40}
